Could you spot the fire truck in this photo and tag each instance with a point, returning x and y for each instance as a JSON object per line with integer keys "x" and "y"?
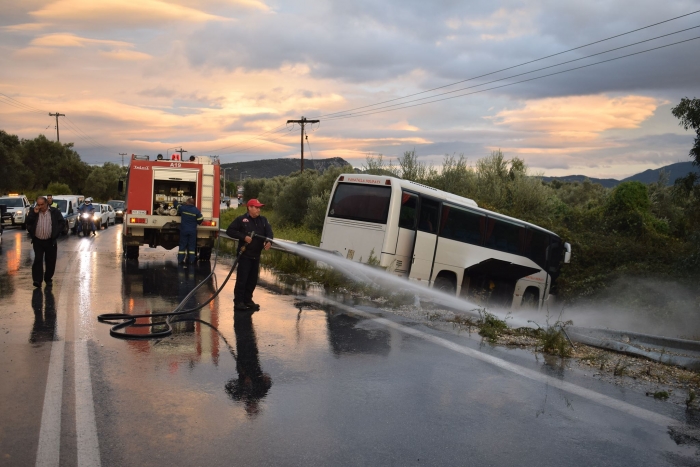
{"x": 154, "y": 189}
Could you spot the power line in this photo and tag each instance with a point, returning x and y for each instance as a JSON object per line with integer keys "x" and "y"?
{"x": 342, "y": 114}
{"x": 21, "y": 105}
{"x": 399, "y": 105}
{"x": 376, "y": 111}
{"x": 514, "y": 66}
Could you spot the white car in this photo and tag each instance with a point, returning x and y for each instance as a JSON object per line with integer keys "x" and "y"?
{"x": 17, "y": 208}
{"x": 104, "y": 216}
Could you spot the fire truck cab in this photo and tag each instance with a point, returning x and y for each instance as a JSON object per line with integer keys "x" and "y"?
{"x": 155, "y": 188}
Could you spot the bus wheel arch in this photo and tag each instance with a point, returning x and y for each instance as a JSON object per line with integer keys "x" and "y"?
{"x": 531, "y": 298}
{"x": 446, "y": 281}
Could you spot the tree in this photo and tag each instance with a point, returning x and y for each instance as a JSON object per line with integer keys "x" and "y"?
{"x": 14, "y": 175}
{"x": 52, "y": 161}
{"x": 688, "y": 111}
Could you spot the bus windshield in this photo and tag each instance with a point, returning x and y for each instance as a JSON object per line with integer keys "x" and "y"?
{"x": 364, "y": 203}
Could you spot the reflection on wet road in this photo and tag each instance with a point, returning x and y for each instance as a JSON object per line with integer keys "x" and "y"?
{"x": 305, "y": 380}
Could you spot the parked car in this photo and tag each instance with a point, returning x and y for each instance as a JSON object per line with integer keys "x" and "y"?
{"x": 119, "y": 208}
{"x": 17, "y": 208}
{"x": 104, "y": 216}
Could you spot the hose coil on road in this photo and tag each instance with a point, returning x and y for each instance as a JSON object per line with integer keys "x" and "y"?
{"x": 129, "y": 321}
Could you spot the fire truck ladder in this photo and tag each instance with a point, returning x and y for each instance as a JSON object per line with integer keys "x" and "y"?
{"x": 207, "y": 207}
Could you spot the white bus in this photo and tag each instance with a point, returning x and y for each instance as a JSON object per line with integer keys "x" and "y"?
{"x": 443, "y": 240}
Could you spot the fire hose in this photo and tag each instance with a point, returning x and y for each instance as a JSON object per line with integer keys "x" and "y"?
{"x": 121, "y": 321}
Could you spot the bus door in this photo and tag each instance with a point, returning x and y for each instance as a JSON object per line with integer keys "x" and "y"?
{"x": 408, "y": 220}
{"x": 426, "y": 240}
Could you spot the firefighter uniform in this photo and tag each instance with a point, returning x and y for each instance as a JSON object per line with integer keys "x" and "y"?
{"x": 249, "y": 261}
{"x": 191, "y": 217}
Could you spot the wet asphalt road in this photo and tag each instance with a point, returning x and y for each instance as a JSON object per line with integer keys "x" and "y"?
{"x": 298, "y": 383}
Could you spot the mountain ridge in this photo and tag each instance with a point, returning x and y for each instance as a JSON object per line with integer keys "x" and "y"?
{"x": 269, "y": 168}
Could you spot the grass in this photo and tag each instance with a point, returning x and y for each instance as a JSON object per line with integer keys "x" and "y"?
{"x": 490, "y": 327}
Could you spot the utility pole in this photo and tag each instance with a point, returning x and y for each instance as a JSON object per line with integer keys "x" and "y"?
{"x": 122, "y": 154}
{"x": 302, "y": 122}
{"x": 180, "y": 151}
{"x": 58, "y": 139}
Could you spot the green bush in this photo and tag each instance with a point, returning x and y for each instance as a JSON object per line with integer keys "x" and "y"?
{"x": 292, "y": 202}
{"x": 316, "y": 212}
{"x": 56, "y": 188}
{"x": 252, "y": 187}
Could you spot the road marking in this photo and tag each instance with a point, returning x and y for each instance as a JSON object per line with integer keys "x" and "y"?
{"x": 86, "y": 428}
{"x": 50, "y": 431}
{"x": 591, "y": 395}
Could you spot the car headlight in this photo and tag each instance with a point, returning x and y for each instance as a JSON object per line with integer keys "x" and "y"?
{"x": 120, "y": 212}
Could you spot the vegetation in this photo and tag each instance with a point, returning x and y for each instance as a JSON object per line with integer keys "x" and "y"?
{"x": 638, "y": 230}
{"x": 41, "y": 166}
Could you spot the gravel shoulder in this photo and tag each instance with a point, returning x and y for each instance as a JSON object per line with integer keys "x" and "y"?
{"x": 654, "y": 379}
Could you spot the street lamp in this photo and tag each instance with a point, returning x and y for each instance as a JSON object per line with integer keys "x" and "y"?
{"x": 228, "y": 168}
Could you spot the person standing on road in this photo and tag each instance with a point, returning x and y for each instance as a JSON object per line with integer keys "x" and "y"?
{"x": 191, "y": 217}
{"x": 44, "y": 224}
{"x": 241, "y": 229}
{"x": 52, "y": 204}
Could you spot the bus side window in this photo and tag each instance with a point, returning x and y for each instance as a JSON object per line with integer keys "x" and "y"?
{"x": 407, "y": 217}
{"x": 461, "y": 225}
{"x": 503, "y": 236}
{"x": 428, "y": 216}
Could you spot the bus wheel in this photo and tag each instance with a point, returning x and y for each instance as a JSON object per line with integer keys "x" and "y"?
{"x": 444, "y": 284}
{"x": 531, "y": 299}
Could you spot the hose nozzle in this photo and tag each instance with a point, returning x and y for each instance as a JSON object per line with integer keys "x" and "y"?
{"x": 253, "y": 235}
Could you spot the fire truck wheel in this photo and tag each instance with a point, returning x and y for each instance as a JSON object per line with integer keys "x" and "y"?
{"x": 205, "y": 253}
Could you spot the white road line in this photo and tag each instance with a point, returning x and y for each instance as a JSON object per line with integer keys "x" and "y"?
{"x": 602, "y": 399}
{"x": 86, "y": 428}
{"x": 49, "y": 448}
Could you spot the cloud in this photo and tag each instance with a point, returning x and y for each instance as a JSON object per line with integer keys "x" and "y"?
{"x": 578, "y": 119}
{"x": 121, "y": 13}
{"x": 126, "y": 55}
{"x": 71, "y": 40}
{"x": 25, "y": 27}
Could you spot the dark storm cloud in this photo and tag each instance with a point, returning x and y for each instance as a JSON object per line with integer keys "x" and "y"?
{"x": 375, "y": 41}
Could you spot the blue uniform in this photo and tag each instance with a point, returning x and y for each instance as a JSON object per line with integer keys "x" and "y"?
{"x": 191, "y": 217}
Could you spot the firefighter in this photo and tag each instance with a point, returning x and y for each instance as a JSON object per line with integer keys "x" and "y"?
{"x": 191, "y": 217}
{"x": 249, "y": 261}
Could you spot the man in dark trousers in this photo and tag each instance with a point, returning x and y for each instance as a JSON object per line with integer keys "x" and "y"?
{"x": 249, "y": 262}
{"x": 44, "y": 224}
{"x": 191, "y": 217}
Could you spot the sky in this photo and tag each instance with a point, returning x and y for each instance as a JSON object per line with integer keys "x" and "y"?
{"x": 445, "y": 77}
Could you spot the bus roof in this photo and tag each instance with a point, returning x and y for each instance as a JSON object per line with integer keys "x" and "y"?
{"x": 430, "y": 191}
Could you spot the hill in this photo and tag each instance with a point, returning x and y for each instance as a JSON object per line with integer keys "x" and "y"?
{"x": 675, "y": 171}
{"x": 273, "y": 167}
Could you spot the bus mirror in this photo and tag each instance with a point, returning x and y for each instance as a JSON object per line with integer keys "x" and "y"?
{"x": 120, "y": 186}
{"x": 567, "y": 252}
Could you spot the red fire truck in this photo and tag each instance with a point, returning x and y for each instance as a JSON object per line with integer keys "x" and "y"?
{"x": 155, "y": 188}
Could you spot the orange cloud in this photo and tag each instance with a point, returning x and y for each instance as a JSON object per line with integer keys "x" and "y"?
{"x": 578, "y": 119}
{"x": 123, "y": 12}
{"x": 71, "y": 40}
